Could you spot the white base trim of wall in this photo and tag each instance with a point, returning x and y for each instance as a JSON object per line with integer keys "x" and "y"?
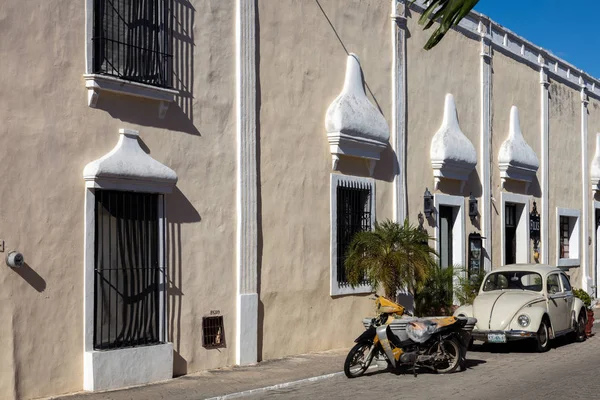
{"x": 114, "y": 369}
{"x": 247, "y": 328}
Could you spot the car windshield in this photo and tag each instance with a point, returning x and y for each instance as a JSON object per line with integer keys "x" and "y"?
{"x": 517, "y": 280}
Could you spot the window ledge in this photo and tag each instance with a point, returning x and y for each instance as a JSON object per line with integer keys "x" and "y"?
{"x": 337, "y": 290}
{"x": 568, "y": 262}
{"x": 97, "y": 84}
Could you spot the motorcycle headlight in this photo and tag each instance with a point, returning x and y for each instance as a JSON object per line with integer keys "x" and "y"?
{"x": 523, "y": 320}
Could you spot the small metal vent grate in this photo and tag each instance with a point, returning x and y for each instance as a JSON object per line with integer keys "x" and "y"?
{"x": 213, "y": 334}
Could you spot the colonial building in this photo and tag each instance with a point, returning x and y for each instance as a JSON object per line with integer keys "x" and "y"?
{"x": 181, "y": 177}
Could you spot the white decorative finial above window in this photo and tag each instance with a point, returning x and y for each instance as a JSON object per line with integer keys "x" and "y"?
{"x": 453, "y": 156}
{"x": 595, "y": 170}
{"x": 354, "y": 126}
{"x": 128, "y": 167}
{"x": 516, "y": 158}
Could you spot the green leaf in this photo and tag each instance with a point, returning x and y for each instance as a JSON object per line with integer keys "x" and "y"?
{"x": 449, "y": 12}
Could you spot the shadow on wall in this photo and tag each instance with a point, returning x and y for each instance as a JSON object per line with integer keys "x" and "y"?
{"x": 179, "y": 211}
{"x": 31, "y": 277}
{"x": 259, "y": 240}
{"x": 179, "y": 116}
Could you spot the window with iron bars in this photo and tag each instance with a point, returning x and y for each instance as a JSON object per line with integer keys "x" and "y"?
{"x": 127, "y": 273}
{"x": 131, "y": 40}
{"x": 353, "y": 215}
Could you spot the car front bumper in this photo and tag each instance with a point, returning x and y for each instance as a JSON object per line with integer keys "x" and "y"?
{"x": 510, "y": 335}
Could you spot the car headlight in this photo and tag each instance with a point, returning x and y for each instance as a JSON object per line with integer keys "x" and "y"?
{"x": 523, "y": 320}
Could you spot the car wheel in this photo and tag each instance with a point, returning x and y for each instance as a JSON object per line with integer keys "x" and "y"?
{"x": 543, "y": 337}
{"x": 580, "y": 327}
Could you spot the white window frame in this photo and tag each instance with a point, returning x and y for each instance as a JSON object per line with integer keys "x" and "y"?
{"x": 128, "y": 168}
{"x": 523, "y": 251}
{"x": 596, "y": 247}
{"x": 458, "y": 232}
{"x": 574, "y": 216}
{"x": 335, "y": 288}
{"x": 96, "y": 84}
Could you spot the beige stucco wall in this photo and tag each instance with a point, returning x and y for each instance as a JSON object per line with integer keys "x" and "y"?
{"x": 302, "y": 68}
{"x": 564, "y": 175}
{"x": 513, "y": 83}
{"x": 452, "y": 67}
{"x": 50, "y": 134}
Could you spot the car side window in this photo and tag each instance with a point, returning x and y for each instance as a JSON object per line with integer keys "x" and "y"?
{"x": 553, "y": 284}
{"x": 565, "y": 282}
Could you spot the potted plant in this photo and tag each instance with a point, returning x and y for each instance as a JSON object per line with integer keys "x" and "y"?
{"x": 468, "y": 286}
{"x": 588, "y": 303}
{"x": 435, "y": 296}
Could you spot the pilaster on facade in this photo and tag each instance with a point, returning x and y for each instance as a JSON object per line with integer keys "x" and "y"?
{"x": 544, "y": 133}
{"x": 247, "y": 185}
{"x": 587, "y": 281}
{"x": 399, "y": 95}
{"x": 485, "y": 132}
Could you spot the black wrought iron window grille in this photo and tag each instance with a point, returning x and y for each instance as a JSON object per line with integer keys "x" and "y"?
{"x": 132, "y": 40}
{"x": 353, "y": 215}
{"x": 127, "y": 274}
{"x": 213, "y": 332}
{"x": 564, "y": 237}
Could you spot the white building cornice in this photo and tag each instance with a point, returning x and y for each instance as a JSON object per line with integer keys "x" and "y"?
{"x": 452, "y": 154}
{"x": 516, "y": 159}
{"x": 522, "y": 50}
{"x": 354, "y": 126}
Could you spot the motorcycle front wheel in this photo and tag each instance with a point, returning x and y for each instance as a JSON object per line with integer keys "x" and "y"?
{"x": 447, "y": 358}
{"x": 356, "y": 362}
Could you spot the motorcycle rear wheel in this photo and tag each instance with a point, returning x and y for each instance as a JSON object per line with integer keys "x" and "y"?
{"x": 356, "y": 363}
{"x": 451, "y": 356}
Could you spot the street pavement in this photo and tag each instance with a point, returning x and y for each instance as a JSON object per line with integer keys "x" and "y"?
{"x": 514, "y": 371}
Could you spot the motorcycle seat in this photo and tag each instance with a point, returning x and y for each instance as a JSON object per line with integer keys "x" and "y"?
{"x": 422, "y": 329}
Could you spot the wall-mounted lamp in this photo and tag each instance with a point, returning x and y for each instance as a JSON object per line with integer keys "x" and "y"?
{"x": 421, "y": 220}
{"x": 14, "y": 259}
{"x": 427, "y": 203}
{"x": 472, "y": 207}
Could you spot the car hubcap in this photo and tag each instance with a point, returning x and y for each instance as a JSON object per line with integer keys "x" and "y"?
{"x": 543, "y": 335}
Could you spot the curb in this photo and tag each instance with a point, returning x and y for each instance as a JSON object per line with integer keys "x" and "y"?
{"x": 275, "y": 387}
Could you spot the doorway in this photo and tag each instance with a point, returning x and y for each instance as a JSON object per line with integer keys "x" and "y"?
{"x": 447, "y": 219}
{"x": 515, "y": 228}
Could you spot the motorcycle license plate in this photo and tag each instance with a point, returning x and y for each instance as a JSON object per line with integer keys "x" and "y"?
{"x": 496, "y": 338}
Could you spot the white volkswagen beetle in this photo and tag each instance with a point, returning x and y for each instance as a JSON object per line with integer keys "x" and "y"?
{"x": 526, "y": 301}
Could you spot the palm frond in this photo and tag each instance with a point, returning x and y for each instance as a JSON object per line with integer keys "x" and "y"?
{"x": 448, "y": 12}
{"x": 392, "y": 255}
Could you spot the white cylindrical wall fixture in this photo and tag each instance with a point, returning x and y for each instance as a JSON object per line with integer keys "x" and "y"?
{"x": 14, "y": 259}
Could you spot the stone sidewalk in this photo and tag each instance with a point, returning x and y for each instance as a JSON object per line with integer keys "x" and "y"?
{"x": 231, "y": 382}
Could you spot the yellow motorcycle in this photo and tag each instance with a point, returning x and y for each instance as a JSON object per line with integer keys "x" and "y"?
{"x": 439, "y": 344}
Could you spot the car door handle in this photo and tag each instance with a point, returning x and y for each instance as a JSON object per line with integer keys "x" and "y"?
{"x": 565, "y": 299}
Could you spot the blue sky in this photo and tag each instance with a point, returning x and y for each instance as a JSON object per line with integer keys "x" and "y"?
{"x": 566, "y": 28}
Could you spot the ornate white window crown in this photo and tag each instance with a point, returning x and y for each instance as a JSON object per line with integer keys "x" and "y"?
{"x": 354, "y": 126}
{"x": 129, "y": 167}
{"x": 516, "y": 159}
{"x": 452, "y": 154}
{"x": 595, "y": 169}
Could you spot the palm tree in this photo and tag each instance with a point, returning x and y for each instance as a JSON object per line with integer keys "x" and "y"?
{"x": 394, "y": 256}
{"x": 449, "y": 12}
